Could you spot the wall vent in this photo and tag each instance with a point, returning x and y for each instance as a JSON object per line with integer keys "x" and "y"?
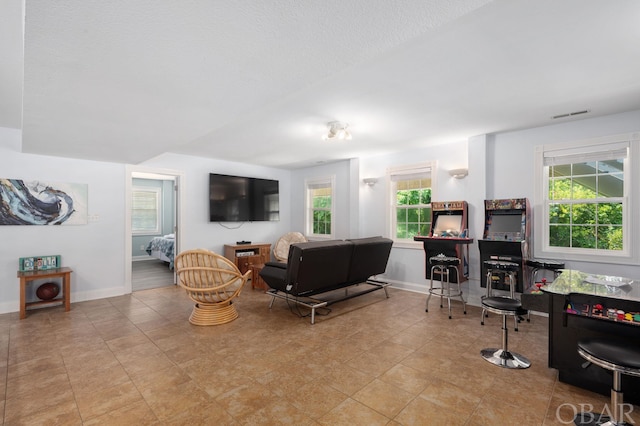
{"x": 570, "y": 114}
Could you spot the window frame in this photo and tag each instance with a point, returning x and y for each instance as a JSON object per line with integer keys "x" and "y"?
{"x": 590, "y": 150}
{"x": 320, "y": 182}
{"x": 159, "y": 218}
{"x": 428, "y": 167}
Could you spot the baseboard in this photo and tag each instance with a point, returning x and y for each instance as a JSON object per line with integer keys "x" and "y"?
{"x": 82, "y": 296}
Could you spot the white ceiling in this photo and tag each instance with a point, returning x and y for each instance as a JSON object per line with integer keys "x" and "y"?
{"x": 256, "y": 82}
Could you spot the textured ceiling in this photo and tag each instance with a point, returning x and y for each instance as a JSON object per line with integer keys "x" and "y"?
{"x": 257, "y": 82}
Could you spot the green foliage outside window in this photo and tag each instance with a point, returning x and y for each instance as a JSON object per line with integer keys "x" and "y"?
{"x": 413, "y": 208}
{"x": 321, "y": 204}
{"x": 585, "y": 209}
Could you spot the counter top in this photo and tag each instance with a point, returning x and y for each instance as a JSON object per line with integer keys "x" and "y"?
{"x": 456, "y": 240}
{"x": 570, "y": 281}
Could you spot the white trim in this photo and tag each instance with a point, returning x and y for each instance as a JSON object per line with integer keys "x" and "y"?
{"x": 631, "y": 198}
{"x": 406, "y": 172}
{"x": 316, "y": 183}
{"x": 179, "y": 179}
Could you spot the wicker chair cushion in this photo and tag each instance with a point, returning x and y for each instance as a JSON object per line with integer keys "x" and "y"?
{"x": 281, "y": 247}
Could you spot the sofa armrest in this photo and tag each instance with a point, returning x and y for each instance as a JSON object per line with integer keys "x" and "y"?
{"x": 280, "y": 265}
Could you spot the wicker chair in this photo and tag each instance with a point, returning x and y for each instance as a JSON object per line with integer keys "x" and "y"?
{"x": 212, "y": 281}
{"x": 281, "y": 247}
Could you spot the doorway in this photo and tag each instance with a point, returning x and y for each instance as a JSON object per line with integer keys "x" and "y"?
{"x": 153, "y": 227}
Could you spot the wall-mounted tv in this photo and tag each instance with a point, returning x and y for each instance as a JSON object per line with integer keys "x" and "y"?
{"x": 243, "y": 199}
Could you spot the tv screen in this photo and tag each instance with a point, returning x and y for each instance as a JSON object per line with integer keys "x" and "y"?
{"x": 448, "y": 226}
{"x": 243, "y": 199}
{"x": 506, "y": 223}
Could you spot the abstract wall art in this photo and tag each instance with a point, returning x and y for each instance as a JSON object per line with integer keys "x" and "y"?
{"x": 42, "y": 203}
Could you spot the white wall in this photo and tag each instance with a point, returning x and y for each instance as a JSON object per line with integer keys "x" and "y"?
{"x": 94, "y": 251}
{"x": 406, "y": 265}
{"x": 97, "y": 251}
{"x": 342, "y": 170}
{"x": 512, "y": 174}
{"x": 500, "y": 166}
{"x": 198, "y": 232}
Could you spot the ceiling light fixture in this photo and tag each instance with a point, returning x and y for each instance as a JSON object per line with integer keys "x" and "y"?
{"x": 337, "y": 131}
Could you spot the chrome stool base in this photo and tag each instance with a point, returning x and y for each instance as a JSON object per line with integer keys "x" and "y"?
{"x": 505, "y": 359}
{"x": 592, "y": 419}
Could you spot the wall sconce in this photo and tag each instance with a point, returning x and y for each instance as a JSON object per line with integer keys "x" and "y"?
{"x": 458, "y": 173}
{"x": 370, "y": 181}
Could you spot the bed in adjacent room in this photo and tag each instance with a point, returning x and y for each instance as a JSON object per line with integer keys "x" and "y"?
{"x": 162, "y": 248}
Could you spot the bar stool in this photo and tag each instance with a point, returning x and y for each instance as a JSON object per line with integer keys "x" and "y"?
{"x": 618, "y": 357}
{"x": 501, "y": 265}
{"x": 502, "y": 357}
{"x": 510, "y": 268}
{"x": 544, "y": 265}
{"x": 441, "y": 264}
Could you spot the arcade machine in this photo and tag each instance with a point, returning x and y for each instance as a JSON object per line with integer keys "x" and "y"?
{"x": 507, "y": 228}
{"x": 448, "y": 236}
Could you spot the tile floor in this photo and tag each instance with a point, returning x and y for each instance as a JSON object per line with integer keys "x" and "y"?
{"x": 136, "y": 360}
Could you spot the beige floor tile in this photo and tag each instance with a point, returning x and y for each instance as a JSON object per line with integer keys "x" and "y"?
{"x": 383, "y": 397}
{"x": 138, "y": 414}
{"x": 276, "y": 412}
{"x": 135, "y": 359}
{"x": 422, "y": 412}
{"x": 451, "y": 397}
{"x": 316, "y": 399}
{"x": 351, "y": 412}
{"x": 169, "y": 401}
{"x": 63, "y": 412}
{"x": 245, "y": 399}
{"x": 406, "y": 378}
{"x": 98, "y": 403}
{"x": 202, "y": 415}
{"x": 37, "y": 406}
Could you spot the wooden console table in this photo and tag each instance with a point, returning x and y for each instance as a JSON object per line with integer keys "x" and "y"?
{"x": 28, "y": 276}
{"x": 246, "y": 255}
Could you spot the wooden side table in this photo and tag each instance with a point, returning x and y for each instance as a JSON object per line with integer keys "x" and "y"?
{"x": 256, "y": 279}
{"x": 28, "y": 276}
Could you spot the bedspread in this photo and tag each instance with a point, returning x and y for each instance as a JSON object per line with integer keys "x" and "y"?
{"x": 162, "y": 248}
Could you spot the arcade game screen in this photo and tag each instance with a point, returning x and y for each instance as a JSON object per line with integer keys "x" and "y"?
{"x": 448, "y": 226}
{"x": 505, "y": 226}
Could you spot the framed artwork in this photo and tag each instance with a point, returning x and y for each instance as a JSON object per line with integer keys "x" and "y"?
{"x": 43, "y": 203}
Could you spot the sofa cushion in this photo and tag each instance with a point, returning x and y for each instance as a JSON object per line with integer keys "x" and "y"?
{"x": 318, "y": 264}
{"x": 369, "y": 257}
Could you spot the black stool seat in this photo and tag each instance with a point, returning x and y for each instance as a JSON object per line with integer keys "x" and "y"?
{"x": 502, "y": 303}
{"x": 620, "y": 358}
{"x": 501, "y": 264}
{"x": 441, "y": 259}
{"x": 551, "y": 265}
{"x": 503, "y": 306}
{"x": 613, "y": 355}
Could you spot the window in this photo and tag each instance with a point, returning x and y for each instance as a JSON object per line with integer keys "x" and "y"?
{"x": 583, "y": 191}
{"x": 320, "y": 207}
{"x": 410, "y": 201}
{"x": 145, "y": 214}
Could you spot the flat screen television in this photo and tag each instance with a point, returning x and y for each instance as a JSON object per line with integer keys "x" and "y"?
{"x": 243, "y": 199}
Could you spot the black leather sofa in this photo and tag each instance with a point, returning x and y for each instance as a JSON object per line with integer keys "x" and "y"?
{"x": 318, "y": 267}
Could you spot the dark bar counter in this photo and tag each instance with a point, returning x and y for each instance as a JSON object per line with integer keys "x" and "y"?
{"x": 588, "y": 305}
